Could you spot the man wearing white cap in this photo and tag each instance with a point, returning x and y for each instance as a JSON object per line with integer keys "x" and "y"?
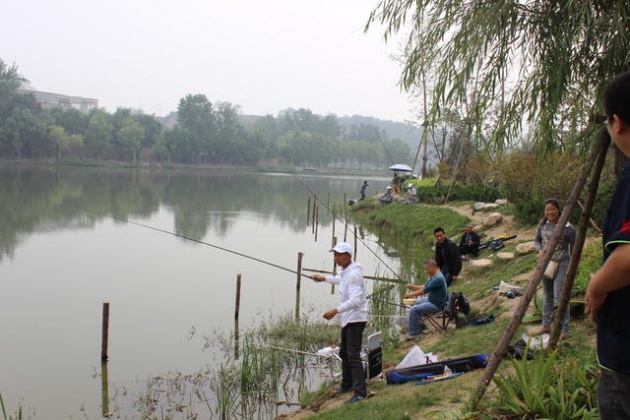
{"x": 352, "y": 310}
{"x": 410, "y": 194}
{"x": 388, "y": 197}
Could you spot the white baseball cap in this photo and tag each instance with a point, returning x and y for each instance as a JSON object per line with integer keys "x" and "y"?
{"x": 343, "y": 248}
{"x": 409, "y": 185}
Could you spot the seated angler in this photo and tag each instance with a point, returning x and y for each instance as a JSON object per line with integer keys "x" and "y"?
{"x": 469, "y": 244}
{"x": 388, "y": 197}
{"x": 434, "y": 296}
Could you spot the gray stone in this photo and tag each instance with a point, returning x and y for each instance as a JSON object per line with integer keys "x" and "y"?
{"x": 525, "y": 248}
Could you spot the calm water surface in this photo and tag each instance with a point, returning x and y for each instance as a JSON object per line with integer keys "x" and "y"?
{"x": 65, "y": 248}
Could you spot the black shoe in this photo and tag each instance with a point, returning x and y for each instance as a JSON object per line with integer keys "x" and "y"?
{"x": 342, "y": 390}
{"x": 354, "y": 399}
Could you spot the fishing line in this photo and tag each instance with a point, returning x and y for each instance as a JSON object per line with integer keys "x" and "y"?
{"x": 190, "y": 239}
{"x": 240, "y": 254}
{"x": 341, "y": 221}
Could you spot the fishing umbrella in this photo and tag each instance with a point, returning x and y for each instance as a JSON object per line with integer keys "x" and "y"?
{"x": 400, "y": 167}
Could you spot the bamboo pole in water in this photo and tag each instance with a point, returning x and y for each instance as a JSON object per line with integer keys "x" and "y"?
{"x": 297, "y": 286}
{"x": 316, "y": 222}
{"x": 104, "y": 391}
{"x": 237, "y": 306}
{"x": 105, "y": 332}
{"x": 356, "y": 242}
{"x": 333, "y": 224}
{"x": 308, "y": 211}
{"x": 334, "y": 269}
{"x": 313, "y": 214}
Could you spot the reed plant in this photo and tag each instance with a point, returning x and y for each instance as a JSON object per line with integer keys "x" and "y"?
{"x": 18, "y": 415}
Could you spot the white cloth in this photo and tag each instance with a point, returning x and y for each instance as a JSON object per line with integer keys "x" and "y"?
{"x": 416, "y": 357}
{"x": 352, "y": 296}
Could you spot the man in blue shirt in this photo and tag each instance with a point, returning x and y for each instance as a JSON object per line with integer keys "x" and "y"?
{"x": 435, "y": 296}
{"x": 608, "y": 293}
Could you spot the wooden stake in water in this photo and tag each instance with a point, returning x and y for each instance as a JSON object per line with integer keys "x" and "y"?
{"x": 316, "y": 222}
{"x": 313, "y": 214}
{"x": 356, "y": 241}
{"x": 334, "y": 270}
{"x": 236, "y": 312}
{"x": 105, "y": 332}
{"x": 105, "y": 390}
{"x": 298, "y": 285}
{"x": 308, "y": 211}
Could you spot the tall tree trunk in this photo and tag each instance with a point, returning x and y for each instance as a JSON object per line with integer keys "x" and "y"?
{"x": 530, "y": 291}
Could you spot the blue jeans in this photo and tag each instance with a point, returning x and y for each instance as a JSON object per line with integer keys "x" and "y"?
{"x": 612, "y": 395}
{"x": 552, "y": 289}
{"x": 352, "y": 372}
{"x": 421, "y": 308}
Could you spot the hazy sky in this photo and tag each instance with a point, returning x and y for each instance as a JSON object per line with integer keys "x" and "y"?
{"x": 263, "y": 55}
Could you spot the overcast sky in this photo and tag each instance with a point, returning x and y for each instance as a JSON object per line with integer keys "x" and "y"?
{"x": 262, "y": 55}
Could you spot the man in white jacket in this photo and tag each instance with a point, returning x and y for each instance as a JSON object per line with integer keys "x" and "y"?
{"x": 352, "y": 310}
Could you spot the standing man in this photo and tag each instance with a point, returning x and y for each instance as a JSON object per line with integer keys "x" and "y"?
{"x": 608, "y": 293}
{"x": 469, "y": 244}
{"x": 363, "y": 189}
{"x": 435, "y": 295}
{"x": 352, "y": 310}
{"x": 447, "y": 256}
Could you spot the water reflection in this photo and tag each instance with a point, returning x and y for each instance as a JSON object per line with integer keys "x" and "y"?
{"x": 202, "y": 203}
{"x": 65, "y": 248}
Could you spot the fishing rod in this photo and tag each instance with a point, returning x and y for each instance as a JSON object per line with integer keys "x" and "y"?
{"x": 341, "y": 221}
{"x": 178, "y": 235}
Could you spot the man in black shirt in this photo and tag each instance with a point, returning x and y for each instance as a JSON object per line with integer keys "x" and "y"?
{"x": 447, "y": 256}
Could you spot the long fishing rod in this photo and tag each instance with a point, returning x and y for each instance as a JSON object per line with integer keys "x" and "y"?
{"x": 168, "y": 232}
{"x": 341, "y": 221}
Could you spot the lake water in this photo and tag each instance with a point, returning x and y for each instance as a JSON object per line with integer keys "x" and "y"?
{"x": 72, "y": 239}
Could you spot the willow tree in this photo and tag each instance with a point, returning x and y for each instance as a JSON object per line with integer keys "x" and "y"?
{"x": 532, "y": 66}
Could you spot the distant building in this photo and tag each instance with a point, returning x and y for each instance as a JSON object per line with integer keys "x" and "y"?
{"x": 57, "y": 100}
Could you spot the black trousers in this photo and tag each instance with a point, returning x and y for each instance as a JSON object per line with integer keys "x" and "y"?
{"x": 352, "y": 372}
{"x": 469, "y": 249}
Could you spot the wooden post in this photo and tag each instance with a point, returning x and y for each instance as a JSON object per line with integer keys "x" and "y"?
{"x": 105, "y": 332}
{"x": 313, "y": 214}
{"x": 345, "y": 229}
{"x": 297, "y": 286}
{"x": 316, "y": 222}
{"x": 237, "y": 306}
{"x": 334, "y": 269}
{"x": 333, "y": 224}
{"x": 104, "y": 391}
{"x": 308, "y": 211}
{"x": 355, "y": 242}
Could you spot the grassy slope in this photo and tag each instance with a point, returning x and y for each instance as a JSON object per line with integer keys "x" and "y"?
{"x": 409, "y": 229}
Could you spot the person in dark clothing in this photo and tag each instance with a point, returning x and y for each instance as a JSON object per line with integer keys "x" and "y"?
{"x": 363, "y": 189}
{"x": 469, "y": 244}
{"x": 608, "y": 292}
{"x": 447, "y": 256}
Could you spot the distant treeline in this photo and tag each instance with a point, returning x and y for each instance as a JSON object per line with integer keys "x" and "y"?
{"x": 203, "y": 133}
